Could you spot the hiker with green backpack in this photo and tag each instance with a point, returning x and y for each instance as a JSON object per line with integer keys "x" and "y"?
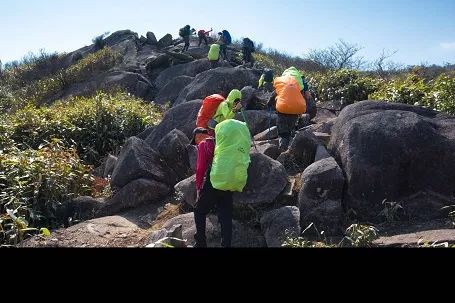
{"x": 221, "y": 169}
{"x": 185, "y": 33}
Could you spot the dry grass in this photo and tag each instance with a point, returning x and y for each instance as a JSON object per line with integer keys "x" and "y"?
{"x": 170, "y": 211}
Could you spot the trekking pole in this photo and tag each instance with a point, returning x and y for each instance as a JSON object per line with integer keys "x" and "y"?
{"x": 252, "y": 138}
{"x": 270, "y": 124}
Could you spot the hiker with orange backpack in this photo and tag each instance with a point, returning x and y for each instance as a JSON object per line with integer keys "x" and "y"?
{"x": 289, "y": 102}
{"x": 216, "y": 109}
{"x": 221, "y": 169}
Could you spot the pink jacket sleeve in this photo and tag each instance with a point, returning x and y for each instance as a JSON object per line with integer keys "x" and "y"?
{"x": 205, "y": 152}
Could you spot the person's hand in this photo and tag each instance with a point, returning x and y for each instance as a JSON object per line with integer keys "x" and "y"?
{"x": 238, "y": 107}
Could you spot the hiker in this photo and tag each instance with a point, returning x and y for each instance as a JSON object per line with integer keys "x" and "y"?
{"x": 214, "y": 55}
{"x": 185, "y": 33}
{"x": 303, "y": 84}
{"x": 289, "y": 103}
{"x": 216, "y": 109}
{"x": 224, "y": 39}
{"x": 228, "y": 108}
{"x": 202, "y": 34}
{"x": 266, "y": 81}
{"x": 218, "y": 175}
{"x": 248, "y": 48}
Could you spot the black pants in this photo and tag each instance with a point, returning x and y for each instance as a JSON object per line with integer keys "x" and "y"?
{"x": 286, "y": 128}
{"x": 224, "y": 203}
{"x": 223, "y": 52}
{"x": 247, "y": 57}
{"x": 203, "y": 38}
{"x": 187, "y": 43}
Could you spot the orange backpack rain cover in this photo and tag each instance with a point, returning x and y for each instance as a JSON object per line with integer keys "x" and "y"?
{"x": 289, "y": 98}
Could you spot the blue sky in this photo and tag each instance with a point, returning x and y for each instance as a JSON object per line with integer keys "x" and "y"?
{"x": 422, "y": 31}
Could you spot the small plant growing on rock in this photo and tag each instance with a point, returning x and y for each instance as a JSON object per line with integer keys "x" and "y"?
{"x": 362, "y": 235}
{"x": 391, "y": 211}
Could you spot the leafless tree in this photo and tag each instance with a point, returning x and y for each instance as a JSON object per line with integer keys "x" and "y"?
{"x": 341, "y": 55}
{"x": 385, "y": 67}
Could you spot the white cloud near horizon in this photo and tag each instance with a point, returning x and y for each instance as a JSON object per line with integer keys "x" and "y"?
{"x": 448, "y": 45}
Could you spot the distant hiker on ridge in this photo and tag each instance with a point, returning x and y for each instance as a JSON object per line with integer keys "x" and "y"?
{"x": 185, "y": 33}
{"x": 202, "y": 34}
{"x": 224, "y": 40}
{"x": 248, "y": 48}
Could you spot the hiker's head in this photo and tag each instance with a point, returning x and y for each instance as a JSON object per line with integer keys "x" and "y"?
{"x": 197, "y": 131}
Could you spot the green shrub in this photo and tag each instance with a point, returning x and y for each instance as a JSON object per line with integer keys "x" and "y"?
{"x": 410, "y": 90}
{"x": 92, "y": 64}
{"x": 95, "y": 125}
{"x": 34, "y": 183}
{"x": 362, "y": 235}
{"x": 442, "y": 94}
{"x": 343, "y": 84}
{"x": 48, "y": 88}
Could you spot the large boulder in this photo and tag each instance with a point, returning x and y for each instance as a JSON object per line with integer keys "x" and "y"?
{"x": 134, "y": 194}
{"x": 242, "y": 236}
{"x": 182, "y": 117}
{"x": 188, "y": 69}
{"x": 323, "y": 116}
{"x": 134, "y": 83}
{"x": 267, "y": 178}
{"x": 268, "y": 134}
{"x": 392, "y": 151}
{"x": 198, "y": 52}
{"x": 301, "y": 153}
{"x": 109, "y": 166}
{"x": 137, "y": 160}
{"x": 106, "y": 232}
{"x": 279, "y": 224}
{"x": 151, "y": 38}
{"x": 173, "y": 148}
{"x": 165, "y": 41}
{"x": 171, "y": 91}
{"x": 219, "y": 80}
{"x": 187, "y": 188}
{"x": 258, "y": 120}
{"x": 254, "y": 99}
{"x": 320, "y": 198}
{"x": 157, "y": 61}
{"x": 266, "y": 148}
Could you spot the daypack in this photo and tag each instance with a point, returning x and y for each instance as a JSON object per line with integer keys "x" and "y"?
{"x": 184, "y": 31}
{"x": 289, "y": 98}
{"x": 293, "y": 72}
{"x": 214, "y": 52}
{"x": 208, "y": 109}
{"x": 232, "y": 156}
{"x": 227, "y": 37}
{"x": 268, "y": 75}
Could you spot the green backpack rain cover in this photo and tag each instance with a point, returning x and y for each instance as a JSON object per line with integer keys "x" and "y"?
{"x": 232, "y": 156}
{"x": 294, "y": 72}
{"x": 214, "y": 52}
